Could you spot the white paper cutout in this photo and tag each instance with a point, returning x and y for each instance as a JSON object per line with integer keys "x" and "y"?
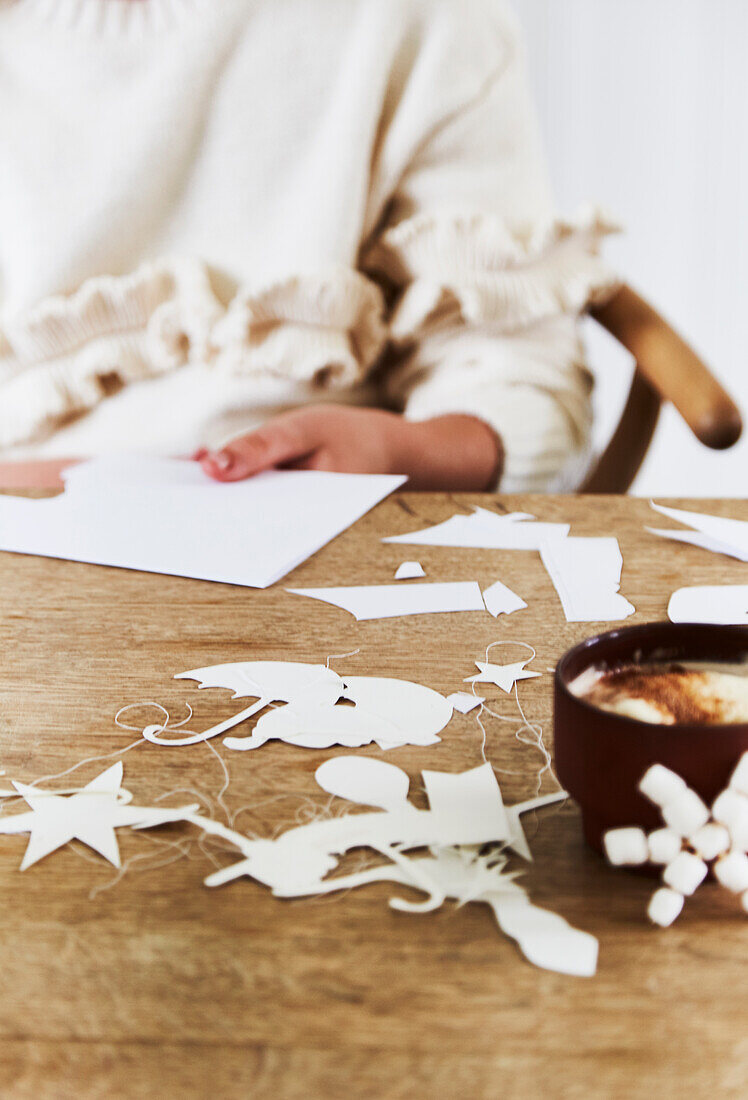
{"x": 167, "y": 516}
{"x": 390, "y": 712}
{"x": 486, "y": 530}
{"x": 385, "y": 601}
{"x": 91, "y": 816}
{"x": 723, "y": 604}
{"x": 721, "y": 536}
{"x": 409, "y": 570}
{"x": 586, "y": 573}
{"x": 387, "y": 711}
{"x": 504, "y": 676}
{"x": 700, "y": 838}
{"x": 464, "y": 702}
{"x": 465, "y": 810}
{"x": 500, "y": 600}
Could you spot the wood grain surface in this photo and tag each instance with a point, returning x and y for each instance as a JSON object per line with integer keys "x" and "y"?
{"x": 156, "y": 986}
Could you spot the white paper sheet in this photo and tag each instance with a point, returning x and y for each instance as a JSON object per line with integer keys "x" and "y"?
{"x": 409, "y": 571}
{"x": 386, "y": 601}
{"x": 500, "y": 600}
{"x": 586, "y": 573}
{"x": 167, "y": 516}
{"x": 723, "y": 604}
{"x": 721, "y": 536}
{"x": 486, "y": 530}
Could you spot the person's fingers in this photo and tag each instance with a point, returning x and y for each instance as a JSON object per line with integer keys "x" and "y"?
{"x": 274, "y": 444}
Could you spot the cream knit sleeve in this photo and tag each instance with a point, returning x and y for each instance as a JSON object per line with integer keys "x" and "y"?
{"x": 487, "y": 283}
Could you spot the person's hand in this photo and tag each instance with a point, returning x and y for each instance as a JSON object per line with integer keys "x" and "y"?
{"x": 455, "y": 452}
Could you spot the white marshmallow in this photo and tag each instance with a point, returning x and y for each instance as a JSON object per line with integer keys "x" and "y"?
{"x": 664, "y": 906}
{"x": 685, "y": 813}
{"x": 664, "y": 845}
{"x": 624, "y": 846}
{"x": 739, "y": 778}
{"x": 731, "y": 809}
{"x": 685, "y": 873}
{"x": 660, "y": 785}
{"x": 711, "y": 840}
{"x": 732, "y": 871}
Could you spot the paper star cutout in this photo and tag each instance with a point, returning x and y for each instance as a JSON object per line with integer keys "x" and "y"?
{"x": 90, "y": 816}
{"x": 504, "y": 676}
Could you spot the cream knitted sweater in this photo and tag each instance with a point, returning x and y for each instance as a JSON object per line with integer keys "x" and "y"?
{"x": 213, "y": 210}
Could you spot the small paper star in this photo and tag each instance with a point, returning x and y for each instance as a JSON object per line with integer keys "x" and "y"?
{"x": 504, "y": 676}
{"x": 90, "y": 816}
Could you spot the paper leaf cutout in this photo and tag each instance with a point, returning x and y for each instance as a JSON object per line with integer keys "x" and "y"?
{"x": 91, "y": 816}
{"x": 723, "y": 604}
{"x": 409, "y": 570}
{"x": 368, "y": 782}
{"x": 586, "y": 573}
{"x": 487, "y": 530}
{"x": 250, "y": 532}
{"x": 504, "y": 676}
{"x": 386, "y": 601}
{"x": 715, "y": 533}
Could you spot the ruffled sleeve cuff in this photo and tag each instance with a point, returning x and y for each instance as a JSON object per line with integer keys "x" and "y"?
{"x": 478, "y": 270}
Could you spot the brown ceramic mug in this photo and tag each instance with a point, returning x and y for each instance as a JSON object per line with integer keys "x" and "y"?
{"x": 600, "y": 757}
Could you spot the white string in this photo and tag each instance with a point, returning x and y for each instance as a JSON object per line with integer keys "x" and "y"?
{"x": 535, "y": 729}
{"x": 340, "y": 657}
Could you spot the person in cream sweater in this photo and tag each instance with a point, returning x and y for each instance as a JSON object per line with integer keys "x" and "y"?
{"x": 306, "y": 233}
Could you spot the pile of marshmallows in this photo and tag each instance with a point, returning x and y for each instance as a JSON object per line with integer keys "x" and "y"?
{"x": 692, "y": 838}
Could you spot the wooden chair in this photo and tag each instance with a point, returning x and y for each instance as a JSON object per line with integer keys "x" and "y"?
{"x": 667, "y": 369}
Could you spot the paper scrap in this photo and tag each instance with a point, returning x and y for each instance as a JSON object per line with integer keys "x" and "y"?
{"x": 504, "y": 676}
{"x": 175, "y": 520}
{"x": 715, "y": 533}
{"x": 500, "y": 600}
{"x": 464, "y": 702}
{"x": 385, "y": 601}
{"x": 487, "y": 530}
{"x": 722, "y": 604}
{"x": 317, "y": 714}
{"x": 586, "y": 573}
{"x": 90, "y": 816}
{"x": 409, "y": 570}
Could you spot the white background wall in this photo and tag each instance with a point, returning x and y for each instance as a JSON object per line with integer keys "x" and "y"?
{"x": 644, "y": 106}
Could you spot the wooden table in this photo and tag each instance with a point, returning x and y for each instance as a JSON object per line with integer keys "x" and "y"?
{"x": 160, "y": 987}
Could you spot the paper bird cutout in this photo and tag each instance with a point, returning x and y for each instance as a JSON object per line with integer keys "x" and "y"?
{"x": 504, "y": 676}
{"x": 465, "y": 812}
{"x": 693, "y": 839}
{"x": 90, "y": 816}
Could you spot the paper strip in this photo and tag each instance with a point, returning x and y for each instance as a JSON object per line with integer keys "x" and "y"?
{"x": 486, "y": 530}
{"x": 384, "y": 601}
{"x": 723, "y": 604}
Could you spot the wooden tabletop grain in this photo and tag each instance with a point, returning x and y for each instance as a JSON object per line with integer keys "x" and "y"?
{"x": 155, "y": 986}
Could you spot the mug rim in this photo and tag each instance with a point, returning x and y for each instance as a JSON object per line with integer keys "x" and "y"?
{"x": 562, "y": 683}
